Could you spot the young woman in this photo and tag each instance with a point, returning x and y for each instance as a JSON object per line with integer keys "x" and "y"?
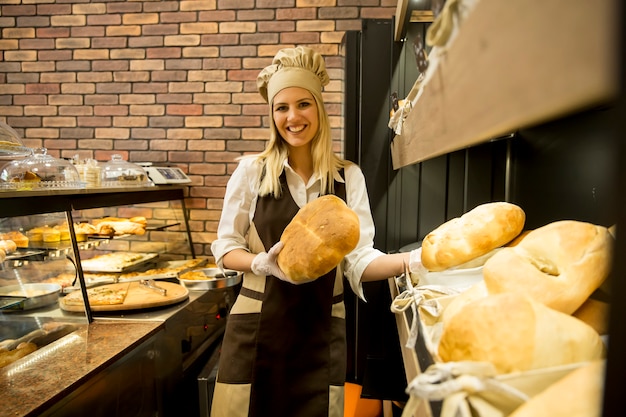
{"x": 284, "y": 351}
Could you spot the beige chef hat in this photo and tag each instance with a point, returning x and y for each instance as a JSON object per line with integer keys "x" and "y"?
{"x": 294, "y": 67}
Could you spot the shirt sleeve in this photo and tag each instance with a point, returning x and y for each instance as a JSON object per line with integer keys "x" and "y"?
{"x": 239, "y": 204}
{"x": 364, "y": 253}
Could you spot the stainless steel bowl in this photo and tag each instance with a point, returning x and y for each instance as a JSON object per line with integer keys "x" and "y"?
{"x": 33, "y": 295}
{"x": 215, "y": 278}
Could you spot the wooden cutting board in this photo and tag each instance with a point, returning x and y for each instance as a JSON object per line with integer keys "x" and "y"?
{"x": 137, "y": 297}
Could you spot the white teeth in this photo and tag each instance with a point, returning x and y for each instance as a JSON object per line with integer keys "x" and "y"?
{"x": 296, "y": 129}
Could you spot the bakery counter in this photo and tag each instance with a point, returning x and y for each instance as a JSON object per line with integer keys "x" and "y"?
{"x": 122, "y": 363}
{"x": 35, "y": 384}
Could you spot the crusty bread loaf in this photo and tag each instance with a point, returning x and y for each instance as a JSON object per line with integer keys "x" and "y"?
{"x": 10, "y": 356}
{"x": 559, "y": 264}
{"x": 319, "y": 236}
{"x": 515, "y": 333}
{"x": 578, "y": 394}
{"x": 85, "y": 229}
{"x": 8, "y": 246}
{"x": 120, "y": 228}
{"x": 480, "y": 230}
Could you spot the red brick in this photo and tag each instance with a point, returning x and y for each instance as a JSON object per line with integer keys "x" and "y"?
{"x": 220, "y": 39}
{"x": 296, "y": 14}
{"x": 53, "y": 33}
{"x": 183, "y": 109}
{"x": 50, "y": 9}
{"x": 42, "y": 88}
{"x": 257, "y": 39}
{"x": 274, "y": 26}
{"x": 22, "y": 10}
{"x": 162, "y": 29}
{"x": 299, "y": 38}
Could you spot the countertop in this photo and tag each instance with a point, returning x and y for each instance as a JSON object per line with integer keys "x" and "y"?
{"x": 38, "y": 381}
{"x": 51, "y": 372}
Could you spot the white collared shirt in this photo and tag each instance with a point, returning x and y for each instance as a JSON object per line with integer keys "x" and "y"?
{"x": 240, "y": 204}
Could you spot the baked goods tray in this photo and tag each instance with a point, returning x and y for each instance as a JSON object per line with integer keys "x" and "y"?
{"x": 167, "y": 270}
{"x": 117, "y": 261}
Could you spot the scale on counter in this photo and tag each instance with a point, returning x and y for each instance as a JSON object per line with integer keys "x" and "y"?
{"x": 163, "y": 174}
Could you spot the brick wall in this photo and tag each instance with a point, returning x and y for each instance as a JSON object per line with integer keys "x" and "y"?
{"x": 162, "y": 81}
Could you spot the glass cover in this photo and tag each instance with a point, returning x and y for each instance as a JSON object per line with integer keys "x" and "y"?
{"x": 40, "y": 171}
{"x": 11, "y": 146}
{"x": 120, "y": 173}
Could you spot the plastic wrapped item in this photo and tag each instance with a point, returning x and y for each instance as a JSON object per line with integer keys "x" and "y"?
{"x": 11, "y": 146}
{"x": 90, "y": 172}
{"x": 40, "y": 171}
{"x": 120, "y": 173}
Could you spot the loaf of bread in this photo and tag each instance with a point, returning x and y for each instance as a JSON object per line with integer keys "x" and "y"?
{"x": 8, "y": 246}
{"x": 515, "y": 333}
{"x": 320, "y": 235}
{"x": 120, "y": 228}
{"x": 477, "y": 232}
{"x": 559, "y": 264}
{"x": 18, "y": 237}
{"x": 10, "y": 356}
{"x": 578, "y": 394}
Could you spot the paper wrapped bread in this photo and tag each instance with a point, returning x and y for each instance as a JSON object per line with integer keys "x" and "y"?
{"x": 476, "y": 233}
{"x": 515, "y": 334}
{"x": 578, "y": 394}
{"x": 321, "y": 234}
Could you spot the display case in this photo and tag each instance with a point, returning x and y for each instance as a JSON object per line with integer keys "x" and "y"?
{"x": 61, "y": 344}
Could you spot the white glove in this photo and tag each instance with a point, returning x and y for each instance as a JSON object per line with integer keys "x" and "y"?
{"x": 415, "y": 260}
{"x": 265, "y": 263}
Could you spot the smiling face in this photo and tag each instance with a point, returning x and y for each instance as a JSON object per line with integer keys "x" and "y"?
{"x": 295, "y": 115}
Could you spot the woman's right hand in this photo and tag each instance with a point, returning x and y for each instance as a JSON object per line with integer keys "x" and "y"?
{"x": 265, "y": 263}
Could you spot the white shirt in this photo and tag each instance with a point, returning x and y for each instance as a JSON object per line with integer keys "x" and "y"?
{"x": 240, "y": 204}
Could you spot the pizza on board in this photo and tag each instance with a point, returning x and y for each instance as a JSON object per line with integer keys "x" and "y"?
{"x": 106, "y": 295}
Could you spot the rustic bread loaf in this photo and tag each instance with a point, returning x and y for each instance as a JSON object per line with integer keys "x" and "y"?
{"x": 319, "y": 236}
{"x": 559, "y": 264}
{"x": 578, "y": 394}
{"x": 515, "y": 333}
{"x": 477, "y": 232}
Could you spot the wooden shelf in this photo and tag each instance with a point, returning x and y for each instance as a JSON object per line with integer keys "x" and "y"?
{"x": 514, "y": 64}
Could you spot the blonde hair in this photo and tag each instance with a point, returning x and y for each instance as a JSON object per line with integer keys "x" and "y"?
{"x": 326, "y": 164}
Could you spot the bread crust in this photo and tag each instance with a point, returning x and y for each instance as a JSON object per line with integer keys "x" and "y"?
{"x": 560, "y": 264}
{"x": 515, "y": 333}
{"x": 475, "y": 233}
{"x": 319, "y": 236}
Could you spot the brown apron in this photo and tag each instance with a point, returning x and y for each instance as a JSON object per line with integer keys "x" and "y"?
{"x": 292, "y": 352}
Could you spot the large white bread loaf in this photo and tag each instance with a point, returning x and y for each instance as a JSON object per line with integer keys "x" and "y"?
{"x": 319, "y": 236}
{"x": 578, "y": 394}
{"x": 559, "y": 264}
{"x": 475, "y": 233}
{"x": 515, "y": 333}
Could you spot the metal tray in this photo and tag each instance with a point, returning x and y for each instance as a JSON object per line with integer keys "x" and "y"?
{"x": 142, "y": 258}
{"x": 45, "y": 294}
{"x": 214, "y": 279}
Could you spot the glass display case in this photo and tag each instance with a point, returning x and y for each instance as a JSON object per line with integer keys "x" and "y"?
{"x": 56, "y": 245}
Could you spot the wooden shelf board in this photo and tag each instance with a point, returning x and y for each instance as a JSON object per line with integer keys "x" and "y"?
{"x": 513, "y": 64}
